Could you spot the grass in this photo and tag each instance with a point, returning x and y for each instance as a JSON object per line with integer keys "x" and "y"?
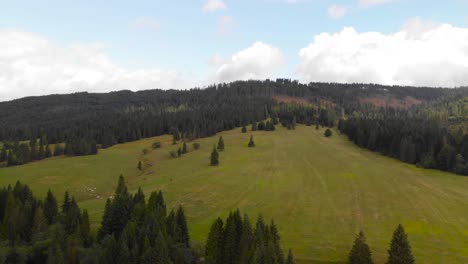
{"x": 320, "y": 191}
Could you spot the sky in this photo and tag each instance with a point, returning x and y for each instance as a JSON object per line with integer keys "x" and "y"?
{"x": 65, "y": 46}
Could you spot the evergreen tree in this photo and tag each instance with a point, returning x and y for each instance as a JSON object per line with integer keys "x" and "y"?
{"x": 66, "y": 203}
{"x": 85, "y": 229}
{"x": 3, "y": 155}
{"x": 251, "y": 142}
{"x": 360, "y": 252}
{"x": 328, "y": 133}
{"x": 400, "y": 249}
{"x": 290, "y": 258}
{"x": 214, "y": 243}
{"x": 50, "y": 208}
{"x": 221, "y": 144}
{"x": 214, "y": 157}
{"x": 139, "y": 166}
{"x": 184, "y": 148}
{"x": 182, "y": 235}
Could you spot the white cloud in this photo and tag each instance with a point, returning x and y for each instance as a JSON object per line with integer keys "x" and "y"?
{"x": 259, "y": 61}
{"x": 214, "y": 5}
{"x": 367, "y": 3}
{"x": 337, "y": 11}
{"x": 144, "y": 22}
{"x": 32, "y": 65}
{"x": 421, "y": 54}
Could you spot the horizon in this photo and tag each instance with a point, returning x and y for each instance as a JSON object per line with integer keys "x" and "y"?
{"x": 64, "y": 47}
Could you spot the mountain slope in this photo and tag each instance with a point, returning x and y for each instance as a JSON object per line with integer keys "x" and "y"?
{"x": 320, "y": 191}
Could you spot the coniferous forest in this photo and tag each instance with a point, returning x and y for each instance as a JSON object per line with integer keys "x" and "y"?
{"x": 424, "y": 126}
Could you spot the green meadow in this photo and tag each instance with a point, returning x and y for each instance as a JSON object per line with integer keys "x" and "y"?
{"x": 319, "y": 191}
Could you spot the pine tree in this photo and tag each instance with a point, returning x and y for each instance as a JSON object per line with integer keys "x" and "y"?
{"x": 360, "y": 252}
{"x": 85, "y": 229}
{"x": 251, "y": 142}
{"x": 400, "y": 249}
{"x": 214, "y": 157}
{"x": 214, "y": 243}
{"x": 139, "y": 166}
{"x": 184, "y": 148}
{"x": 3, "y": 155}
{"x": 66, "y": 203}
{"x": 328, "y": 133}
{"x": 221, "y": 144}
{"x": 290, "y": 258}
{"x": 182, "y": 235}
{"x": 50, "y": 208}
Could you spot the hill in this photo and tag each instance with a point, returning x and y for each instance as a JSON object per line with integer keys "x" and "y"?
{"x": 320, "y": 191}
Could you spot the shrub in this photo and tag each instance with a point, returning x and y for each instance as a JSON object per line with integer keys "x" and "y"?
{"x": 328, "y": 133}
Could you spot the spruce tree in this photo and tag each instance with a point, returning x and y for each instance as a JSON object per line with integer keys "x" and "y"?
{"x": 182, "y": 235}
{"x": 85, "y": 229}
{"x": 214, "y": 243}
{"x": 360, "y": 252}
{"x": 66, "y": 203}
{"x": 290, "y": 258}
{"x": 184, "y": 148}
{"x": 50, "y": 208}
{"x": 221, "y": 144}
{"x": 214, "y": 157}
{"x": 400, "y": 249}
{"x": 328, "y": 133}
{"x": 251, "y": 142}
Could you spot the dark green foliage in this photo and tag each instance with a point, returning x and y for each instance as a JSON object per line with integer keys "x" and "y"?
{"x": 251, "y": 142}
{"x": 244, "y": 129}
{"x": 328, "y": 133}
{"x": 139, "y": 166}
{"x": 221, "y": 144}
{"x": 214, "y": 160}
{"x": 290, "y": 258}
{"x": 184, "y": 148}
{"x": 50, "y": 208}
{"x": 360, "y": 252}
{"x": 196, "y": 146}
{"x": 400, "y": 249}
{"x": 237, "y": 242}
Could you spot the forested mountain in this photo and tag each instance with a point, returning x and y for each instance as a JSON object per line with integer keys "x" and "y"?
{"x": 368, "y": 112}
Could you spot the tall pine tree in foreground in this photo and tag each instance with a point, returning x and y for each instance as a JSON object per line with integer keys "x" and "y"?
{"x": 214, "y": 243}
{"x": 221, "y": 144}
{"x": 214, "y": 157}
{"x": 400, "y": 249}
{"x": 360, "y": 252}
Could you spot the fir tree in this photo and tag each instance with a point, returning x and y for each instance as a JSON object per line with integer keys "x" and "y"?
{"x": 290, "y": 258}
{"x": 214, "y": 243}
{"x": 400, "y": 249}
{"x": 221, "y": 144}
{"x": 360, "y": 252}
{"x": 182, "y": 235}
{"x": 251, "y": 142}
{"x": 50, "y": 208}
{"x": 184, "y": 148}
{"x": 66, "y": 203}
{"x": 85, "y": 229}
{"x": 214, "y": 157}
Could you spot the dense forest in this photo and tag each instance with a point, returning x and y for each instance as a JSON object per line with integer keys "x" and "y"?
{"x": 425, "y": 126}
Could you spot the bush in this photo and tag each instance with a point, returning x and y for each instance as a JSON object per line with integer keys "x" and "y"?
{"x": 196, "y": 146}
{"x": 328, "y": 133}
{"x": 156, "y": 145}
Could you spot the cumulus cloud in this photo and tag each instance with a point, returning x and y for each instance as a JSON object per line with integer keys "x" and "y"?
{"x": 225, "y": 24}
{"x": 214, "y": 5}
{"x": 31, "y": 64}
{"x": 421, "y": 54}
{"x": 259, "y": 61}
{"x": 367, "y": 3}
{"x": 337, "y": 11}
{"x": 143, "y": 23}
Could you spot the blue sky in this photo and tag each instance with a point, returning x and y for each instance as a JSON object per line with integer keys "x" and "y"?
{"x": 184, "y": 37}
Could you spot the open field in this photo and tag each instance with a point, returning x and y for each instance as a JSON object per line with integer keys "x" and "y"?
{"x": 320, "y": 191}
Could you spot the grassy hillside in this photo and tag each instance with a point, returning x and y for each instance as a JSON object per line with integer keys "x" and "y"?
{"x": 320, "y": 191}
